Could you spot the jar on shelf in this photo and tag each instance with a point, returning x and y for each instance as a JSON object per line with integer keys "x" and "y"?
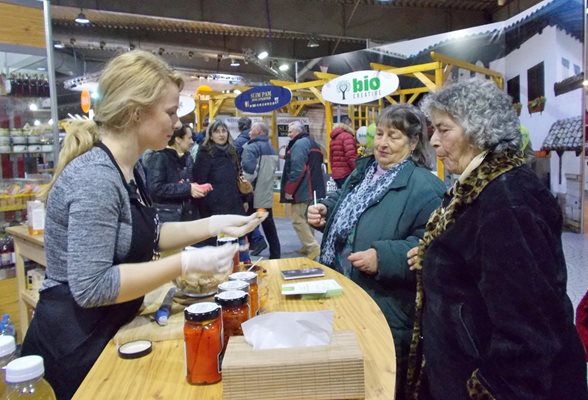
{"x": 235, "y": 311}
{"x": 251, "y": 279}
{"x": 203, "y": 336}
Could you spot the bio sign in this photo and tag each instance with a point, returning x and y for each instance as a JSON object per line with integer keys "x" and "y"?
{"x": 360, "y": 87}
{"x": 261, "y": 99}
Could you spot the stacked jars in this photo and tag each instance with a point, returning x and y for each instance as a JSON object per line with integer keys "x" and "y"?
{"x": 251, "y": 279}
{"x": 235, "y": 311}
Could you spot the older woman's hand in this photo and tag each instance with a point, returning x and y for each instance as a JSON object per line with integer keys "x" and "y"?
{"x": 414, "y": 261}
{"x": 316, "y": 215}
{"x": 366, "y": 261}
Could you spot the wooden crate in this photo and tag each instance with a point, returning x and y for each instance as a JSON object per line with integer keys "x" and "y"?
{"x": 328, "y": 372}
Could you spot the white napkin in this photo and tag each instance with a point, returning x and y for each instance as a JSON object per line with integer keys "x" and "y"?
{"x": 289, "y": 329}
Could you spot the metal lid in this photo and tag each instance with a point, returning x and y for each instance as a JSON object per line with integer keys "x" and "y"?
{"x": 135, "y": 349}
{"x": 232, "y": 298}
{"x": 249, "y": 277}
{"x": 202, "y": 311}
{"x": 233, "y": 285}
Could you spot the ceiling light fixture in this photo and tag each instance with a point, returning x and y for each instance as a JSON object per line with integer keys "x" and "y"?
{"x": 284, "y": 67}
{"x": 312, "y": 43}
{"x": 263, "y": 55}
{"x": 81, "y": 18}
{"x": 235, "y": 63}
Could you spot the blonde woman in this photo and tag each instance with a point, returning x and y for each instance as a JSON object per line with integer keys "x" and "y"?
{"x": 101, "y": 233}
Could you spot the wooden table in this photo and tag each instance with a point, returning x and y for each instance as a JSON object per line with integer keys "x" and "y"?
{"x": 161, "y": 375}
{"x": 30, "y": 247}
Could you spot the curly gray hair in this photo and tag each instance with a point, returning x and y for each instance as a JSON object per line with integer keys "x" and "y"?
{"x": 483, "y": 110}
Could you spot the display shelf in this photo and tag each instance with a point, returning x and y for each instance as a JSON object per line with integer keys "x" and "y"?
{"x": 31, "y": 297}
{"x": 31, "y": 247}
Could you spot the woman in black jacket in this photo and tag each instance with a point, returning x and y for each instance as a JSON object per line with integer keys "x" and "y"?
{"x": 496, "y": 320}
{"x": 168, "y": 179}
{"x": 217, "y": 163}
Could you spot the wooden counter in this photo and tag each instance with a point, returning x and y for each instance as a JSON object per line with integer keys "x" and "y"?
{"x": 161, "y": 375}
{"x": 26, "y": 247}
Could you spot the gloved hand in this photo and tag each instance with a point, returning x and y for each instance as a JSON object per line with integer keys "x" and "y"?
{"x": 209, "y": 259}
{"x": 234, "y": 225}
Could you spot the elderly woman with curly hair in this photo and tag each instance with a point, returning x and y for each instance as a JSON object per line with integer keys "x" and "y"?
{"x": 496, "y": 320}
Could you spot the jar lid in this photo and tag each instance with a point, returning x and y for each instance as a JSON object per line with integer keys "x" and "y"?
{"x": 249, "y": 277}
{"x": 24, "y": 369}
{"x": 135, "y": 349}
{"x": 202, "y": 311}
{"x": 231, "y": 298}
{"x": 233, "y": 285}
{"x": 7, "y": 345}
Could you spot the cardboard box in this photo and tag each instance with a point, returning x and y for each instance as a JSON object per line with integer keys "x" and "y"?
{"x": 328, "y": 372}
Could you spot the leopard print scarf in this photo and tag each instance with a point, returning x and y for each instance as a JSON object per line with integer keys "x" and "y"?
{"x": 462, "y": 194}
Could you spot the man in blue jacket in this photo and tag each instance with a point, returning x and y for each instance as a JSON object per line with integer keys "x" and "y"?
{"x": 302, "y": 179}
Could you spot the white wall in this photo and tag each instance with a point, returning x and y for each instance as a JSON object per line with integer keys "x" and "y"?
{"x": 553, "y": 44}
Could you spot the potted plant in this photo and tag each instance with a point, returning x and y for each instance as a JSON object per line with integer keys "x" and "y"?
{"x": 518, "y": 107}
{"x": 536, "y": 105}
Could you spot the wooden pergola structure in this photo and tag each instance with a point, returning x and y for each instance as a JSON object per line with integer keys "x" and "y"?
{"x": 431, "y": 76}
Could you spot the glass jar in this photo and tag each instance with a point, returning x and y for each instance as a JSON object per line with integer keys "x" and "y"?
{"x": 203, "y": 336}
{"x": 251, "y": 279}
{"x": 221, "y": 239}
{"x": 235, "y": 310}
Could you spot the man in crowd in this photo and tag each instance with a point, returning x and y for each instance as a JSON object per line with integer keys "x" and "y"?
{"x": 259, "y": 162}
{"x": 302, "y": 179}
{"x": 256, "y": 240}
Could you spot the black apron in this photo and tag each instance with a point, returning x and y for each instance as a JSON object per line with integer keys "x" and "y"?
{"x": 69, "y": 337}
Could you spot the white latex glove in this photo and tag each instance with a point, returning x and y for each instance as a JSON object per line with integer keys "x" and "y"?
{"x": 209, "y": 259}
{"x": 234, "y": 225}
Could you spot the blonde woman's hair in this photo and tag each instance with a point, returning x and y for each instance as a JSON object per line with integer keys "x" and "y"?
{"x": 130, "y": 83}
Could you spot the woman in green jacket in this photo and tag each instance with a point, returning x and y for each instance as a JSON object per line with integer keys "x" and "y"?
{"x": 378, "y": 215}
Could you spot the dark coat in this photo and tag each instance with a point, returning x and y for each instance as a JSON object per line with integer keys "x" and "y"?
{"x": 342, "y": 153}
{"x": 220, "y": 169}
{"x": 168, "y": 181}
{"x": 392, "y": 225}
{"x": 303, "y": 171}
{"x": 240, "y": 141}
{"x": 495, "y": 290}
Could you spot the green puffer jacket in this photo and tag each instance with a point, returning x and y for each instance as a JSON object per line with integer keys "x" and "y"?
{"x": 392, "y": 225}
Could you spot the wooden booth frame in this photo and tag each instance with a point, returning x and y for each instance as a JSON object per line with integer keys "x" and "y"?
{"x": 431, "y": 76}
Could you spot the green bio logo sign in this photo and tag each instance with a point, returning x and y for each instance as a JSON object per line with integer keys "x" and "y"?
{"x": 366, "y": 84}
{"x": 360, "y": 87}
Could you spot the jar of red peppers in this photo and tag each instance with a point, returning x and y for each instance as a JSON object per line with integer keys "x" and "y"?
{"x": 235, "y": 310}
{"x": 251, "y": 279}
{"x": 203, "y": 336}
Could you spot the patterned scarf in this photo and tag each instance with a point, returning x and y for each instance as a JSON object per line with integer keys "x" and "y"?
{"x": 351, "y": 208}
{"x": 462, "y": 194}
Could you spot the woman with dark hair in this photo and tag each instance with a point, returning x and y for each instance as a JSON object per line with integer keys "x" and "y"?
{"x": 378, "y": 215}
{"x": 496, "y": 320}
{"x": 169, "y": 178}
{"x": 217, "y": 163}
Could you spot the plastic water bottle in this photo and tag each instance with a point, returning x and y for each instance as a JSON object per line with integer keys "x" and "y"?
{"x": 7, "y": 328}
{"x": 24, "y": 380}
{"x": 7, "y": 354}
